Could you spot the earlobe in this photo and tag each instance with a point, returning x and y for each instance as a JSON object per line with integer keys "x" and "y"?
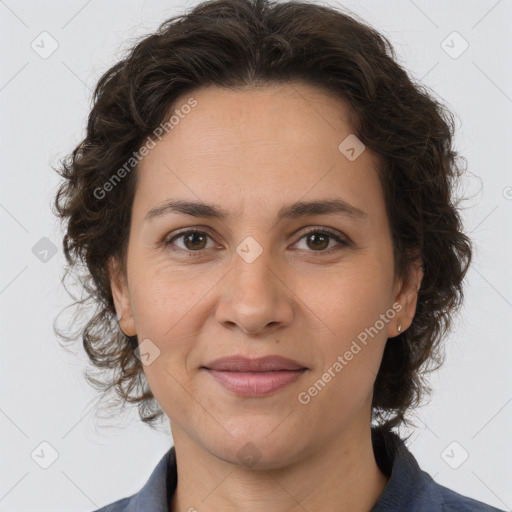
{"x": 121, "y": 296}
{"x": 408, "y": 297}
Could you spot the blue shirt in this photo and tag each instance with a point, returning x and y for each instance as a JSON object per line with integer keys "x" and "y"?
{"x": 409, "y": 489}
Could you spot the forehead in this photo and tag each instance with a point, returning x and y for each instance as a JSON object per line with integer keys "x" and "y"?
{"x": 272, "y": 115}
{"x": 266, "y": 146}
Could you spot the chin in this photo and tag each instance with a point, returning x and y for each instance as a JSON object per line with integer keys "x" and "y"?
{"x": 254, "y": 448}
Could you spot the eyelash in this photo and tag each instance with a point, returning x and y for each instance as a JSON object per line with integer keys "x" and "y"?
{"x": 324, "y": 231}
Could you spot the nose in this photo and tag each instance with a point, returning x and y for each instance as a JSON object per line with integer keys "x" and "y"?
{"x": 255, "y": 297}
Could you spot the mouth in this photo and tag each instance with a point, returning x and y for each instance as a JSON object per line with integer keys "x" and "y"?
{"x": 261, "y": 364}
{"x": 255, "y": 377}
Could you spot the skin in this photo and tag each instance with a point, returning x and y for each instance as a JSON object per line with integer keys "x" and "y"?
{"x": 252, "y": 151}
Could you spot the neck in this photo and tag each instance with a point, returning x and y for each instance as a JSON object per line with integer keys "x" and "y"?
{"x": 342, "y": 475}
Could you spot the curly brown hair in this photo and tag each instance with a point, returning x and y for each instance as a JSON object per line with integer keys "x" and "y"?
{"x": 238, "y": 43}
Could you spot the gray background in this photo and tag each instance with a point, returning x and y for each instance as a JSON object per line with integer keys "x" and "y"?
{"x": 43, "y": 106}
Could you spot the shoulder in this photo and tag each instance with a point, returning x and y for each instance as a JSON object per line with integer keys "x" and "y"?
{"x": 409, "y": 487}
{"x": 154, "y": 495}
{"x": 452, "y": 501}
{"x": 121, "y": 505}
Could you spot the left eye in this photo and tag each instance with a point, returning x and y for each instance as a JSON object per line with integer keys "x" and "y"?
{"x": 194, "y": 240}
{"x": 319, "y": 238}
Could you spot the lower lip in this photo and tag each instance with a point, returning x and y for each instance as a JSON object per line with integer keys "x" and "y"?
{"x": 255, "y": 384}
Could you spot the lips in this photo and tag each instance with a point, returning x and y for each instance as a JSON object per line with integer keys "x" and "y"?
{"x": 260, "y": 377}
{"x": 262, "y": 364}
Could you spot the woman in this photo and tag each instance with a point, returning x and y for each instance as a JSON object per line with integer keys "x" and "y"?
{"x": 264, "y": 202}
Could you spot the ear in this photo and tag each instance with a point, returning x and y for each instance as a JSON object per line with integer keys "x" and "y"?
{"x": 406, "y": 294}
{"x": 121, "y": 296}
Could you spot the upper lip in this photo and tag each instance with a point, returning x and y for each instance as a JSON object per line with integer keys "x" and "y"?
{"x": 260, "y": 364}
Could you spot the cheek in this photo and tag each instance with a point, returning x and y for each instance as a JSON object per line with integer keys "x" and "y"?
{"x": 355, "y": 315}
{"x": 349, "y": 299}
{"x": 351, "y": 360}
{"x": 170, "y": 308}
{"x": 162, "y": 297}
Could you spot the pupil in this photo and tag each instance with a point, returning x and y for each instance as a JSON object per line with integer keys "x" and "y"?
{"x": 316, "y": 237}
{"x": 191, "y": 236}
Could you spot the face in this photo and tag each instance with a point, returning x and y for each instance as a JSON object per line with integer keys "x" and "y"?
{"x": 305, "y": 285}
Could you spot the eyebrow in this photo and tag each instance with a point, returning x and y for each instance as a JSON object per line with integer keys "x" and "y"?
{"x": 292, "y": 211}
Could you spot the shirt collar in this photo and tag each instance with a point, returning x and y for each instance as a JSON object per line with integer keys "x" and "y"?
{"x": 408, "y": 487}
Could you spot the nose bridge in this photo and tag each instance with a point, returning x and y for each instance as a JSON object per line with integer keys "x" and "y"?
{"x": 252, "y": 268}
{"x": 254, "y": 296}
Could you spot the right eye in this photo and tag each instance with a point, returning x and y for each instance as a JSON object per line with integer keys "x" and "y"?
{"x": 193, "y": 240}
